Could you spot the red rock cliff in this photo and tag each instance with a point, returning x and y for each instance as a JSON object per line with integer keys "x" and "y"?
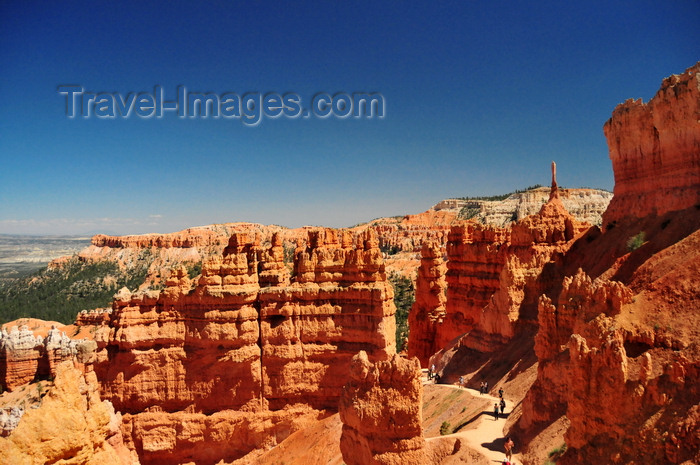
{"x": 495, "y": 275}
{"x": 429, "y": 307}
{"x": 381, "y": 411}
{"x": 655, "y": 150}
{"x": 619, "y": 357}
{"x": 242, "y": 354}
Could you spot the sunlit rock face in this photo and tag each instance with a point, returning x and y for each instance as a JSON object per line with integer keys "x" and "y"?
{"x": 248, "y": 351}
{"x": 381, "y": 411}
{"x": 655, "y": 151}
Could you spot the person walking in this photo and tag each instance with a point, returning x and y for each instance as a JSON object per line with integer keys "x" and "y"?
{"x": 500, "y": 393}
{"x": 508, "y": 446}
{"x": 495, "y": 411}
{"x": 503, "y": 405}
{"x": 461, "y": 381}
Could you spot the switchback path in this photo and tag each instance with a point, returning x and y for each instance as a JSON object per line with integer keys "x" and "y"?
{"x": 486, "y": 434}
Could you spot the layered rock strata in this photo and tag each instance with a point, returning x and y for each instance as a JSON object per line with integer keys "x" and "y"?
{"x": 495, "y": 275}
{"x": 244, "y": 350}
{"x": 381, "y": 411}
{"x": 428, "y": 309}
{"x": 586, "y": 205}
{"x": 619, "y": 359}
{"x": 476, "y": 255}
{"x": 655, "y": 150}
{"x": 25, "y": 357}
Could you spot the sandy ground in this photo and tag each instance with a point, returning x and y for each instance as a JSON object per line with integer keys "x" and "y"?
{"x": 485, "y": 434}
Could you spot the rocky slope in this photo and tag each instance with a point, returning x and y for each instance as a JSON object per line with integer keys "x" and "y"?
{"x": 67, "y": 424}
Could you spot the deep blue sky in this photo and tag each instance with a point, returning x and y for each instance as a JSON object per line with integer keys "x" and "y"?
{"x": 480, "y": 97}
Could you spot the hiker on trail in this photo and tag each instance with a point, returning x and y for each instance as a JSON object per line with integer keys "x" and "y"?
{"x": 481, "y": 388}
{"x": 486, "y": 387}
{"x": 500, "y": 393}
{"x": 508, "y": 446}
{"x": 495, "y": 411}
{"x": 461, "y": 381}
{"x": 431, "y": 373}
{"x": 503, "y": 405}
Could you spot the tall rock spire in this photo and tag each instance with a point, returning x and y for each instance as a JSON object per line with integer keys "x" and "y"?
{"x": 554, "y": 192}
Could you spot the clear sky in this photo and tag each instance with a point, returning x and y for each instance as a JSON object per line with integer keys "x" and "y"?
{"x": 479, "y": 98}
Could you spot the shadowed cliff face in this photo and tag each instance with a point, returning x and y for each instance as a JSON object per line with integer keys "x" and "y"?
{"x": 428, "y": 310}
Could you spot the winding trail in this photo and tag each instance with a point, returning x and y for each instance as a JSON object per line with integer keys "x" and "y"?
{"x": 486, "y": 434}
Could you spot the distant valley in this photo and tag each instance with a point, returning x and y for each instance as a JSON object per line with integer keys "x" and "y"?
{"x": 21, "y": 255}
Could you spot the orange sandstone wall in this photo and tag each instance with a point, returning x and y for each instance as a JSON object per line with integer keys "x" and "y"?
{"x": 340, "y": 303}
{"x": 655, "y": 150}
{"x": 495, "y": 275}
{"x": 476, "y": 255}
{"x": 428, "y": 309}
{"x": 244, "y": 353}
{"x": 381, "y": 411}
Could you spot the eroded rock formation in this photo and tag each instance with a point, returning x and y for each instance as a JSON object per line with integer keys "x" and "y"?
{"x": 25, "y": 357}
{"x": 495, "y": 275}
{"x": 428, "y": 309}
{"x": 243, "y": 354}
{"x": 381, "y": 411}
{"x": 476, "y": 255}
{"x": 70, "y": 425}
{"x": 616, "y": 357}
{"x": 586, "y": 205}
{"x": 654, "y": 150}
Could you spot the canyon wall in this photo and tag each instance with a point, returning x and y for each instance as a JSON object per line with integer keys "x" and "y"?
{"x": 655, "y": 150}
{"x": 381, "y": 411}
{"x": 245, "y": 353}
{"x": 25, "y": 357}
{"x": 408, "y": 233}
{"x": 428, "y": 310}
{"x": 617, "y": 357}
{"x": 495, "y": 275}
{"x": 476, "y": 255}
